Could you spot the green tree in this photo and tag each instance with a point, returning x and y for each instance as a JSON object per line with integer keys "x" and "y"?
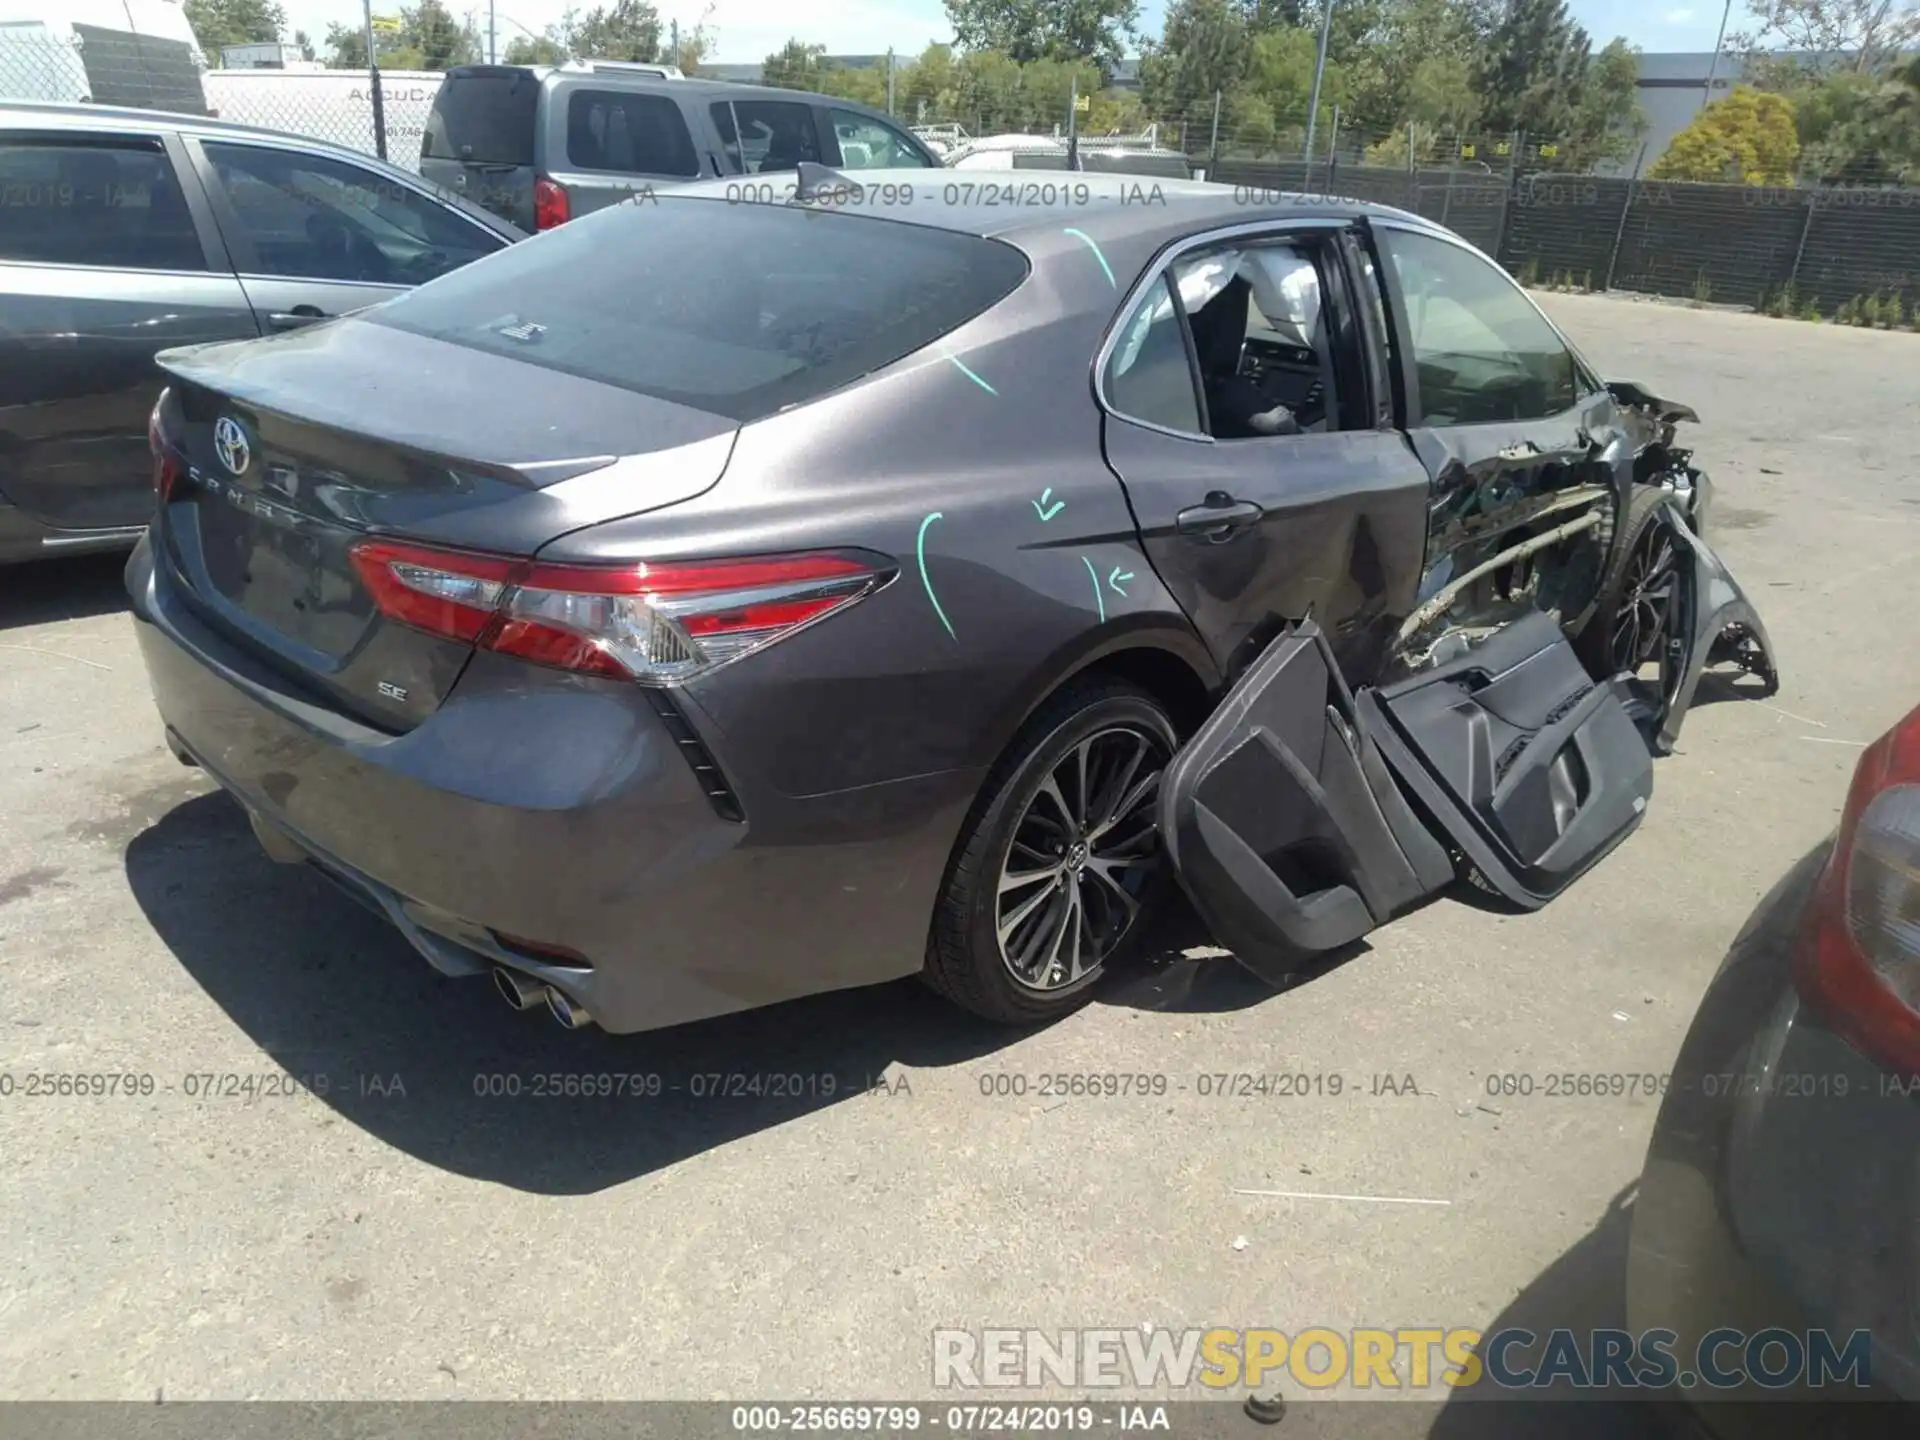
{"x": 441, "y": 42}
{"x": 1280, "y": 73}
{"x": 1607, "y": 119}
{"x": 533, "y": 50}
{"x": 1532, "y": 69}
{"x": 1746, "y": 139}
{"x": 1204, "y": 49}
{"x": 925, "y": 86}
{"x": 346, "y": 47}
{"x": 1863, "y": 37}
{"x": 863, "y": 84}
{"x": 1025, "y": 30}
{"x": 1860, "y": 129}
{"x": 1414, "y": 61}
{"x": 795, "y": 66}
{"x": 624, "y": 30}
{"x": 695, "y": 44}
{"x": 217, "y": 23}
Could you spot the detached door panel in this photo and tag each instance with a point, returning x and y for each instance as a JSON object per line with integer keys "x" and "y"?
{"x": 1301, "y": 816}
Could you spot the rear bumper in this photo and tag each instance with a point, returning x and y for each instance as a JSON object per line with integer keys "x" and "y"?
{"x": 562, "y": 812}
{"x": 1780, "y": 1190}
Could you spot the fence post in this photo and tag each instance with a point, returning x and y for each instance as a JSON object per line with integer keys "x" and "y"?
{"x": 1413, "y": 175}
{"x": 1333, "y": 151}
{"x": 1620, "y": 230}
{"x": 1800, "y": 250}
{"x": 1213, "y": 143}
{"x": 889, "y": 80}
{"x": 1446, "y": 200}
{"x": 373, "y": 82}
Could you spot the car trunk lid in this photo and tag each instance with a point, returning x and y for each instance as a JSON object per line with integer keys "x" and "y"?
{"x": 300, "y": 447}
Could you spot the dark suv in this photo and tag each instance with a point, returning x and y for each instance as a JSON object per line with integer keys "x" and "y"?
{"x": 539, "y": 145}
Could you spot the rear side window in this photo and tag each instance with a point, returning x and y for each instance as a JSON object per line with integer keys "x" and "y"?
{"x": 739, "y": 310}
{"x": 115, "y": 204}
{"x": 484, "y": 116}
{"x": 637, "y": 133}
{"x": 767, "y": 135}
{"x": 1149, "y": 376}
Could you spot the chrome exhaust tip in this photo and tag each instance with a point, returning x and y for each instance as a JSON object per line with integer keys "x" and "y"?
{"x": 569, "y": 1013}
{"x": 519, "y": 991}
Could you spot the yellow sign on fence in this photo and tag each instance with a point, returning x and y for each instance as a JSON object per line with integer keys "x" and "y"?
{"x": 1082, "y": 103}
{"x": 390, "y": 23}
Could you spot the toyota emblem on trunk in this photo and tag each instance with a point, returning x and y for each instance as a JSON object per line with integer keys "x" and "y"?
{"x": 230, "y": 444}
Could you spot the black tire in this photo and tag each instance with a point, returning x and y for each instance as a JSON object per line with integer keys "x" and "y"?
{"x": 1595, "y": 643}
{"x": 964, "y": 954}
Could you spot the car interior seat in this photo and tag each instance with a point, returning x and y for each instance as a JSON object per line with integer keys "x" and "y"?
{"x": 583, "y": 146}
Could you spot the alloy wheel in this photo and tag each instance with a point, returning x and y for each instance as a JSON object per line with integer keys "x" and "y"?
{"x": 1650, "y": 624}
{"x": 1080, "y": 859}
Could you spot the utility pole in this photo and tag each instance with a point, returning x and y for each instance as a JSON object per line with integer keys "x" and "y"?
{"x": 1320, "y": 70}
{"x": 492, "y": 54}
{"x": 1713, "y": 65}
{"x": 373, "y": 81}
{"x": 673, "y": 55}
{"x": 1073, "y": 126}
{"x": 889, "y": 80}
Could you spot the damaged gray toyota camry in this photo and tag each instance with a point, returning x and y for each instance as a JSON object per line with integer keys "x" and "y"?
{"x": 711, "y": 603}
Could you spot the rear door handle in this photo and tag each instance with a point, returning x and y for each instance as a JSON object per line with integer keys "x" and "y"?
{"x": 293, "y": 319}
{"x": 1218, "y": 520}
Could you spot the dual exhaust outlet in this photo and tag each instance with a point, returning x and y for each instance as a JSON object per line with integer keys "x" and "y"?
{"x": 523, "y": 992}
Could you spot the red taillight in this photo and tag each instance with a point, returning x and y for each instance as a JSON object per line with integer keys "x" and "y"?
{"x": 658, "y": 623}
{"x": 439, "y": 591}
{"x": 1860, "y": 965}
{"x": 551, "y": 204}
{"x": 166, "y": 465}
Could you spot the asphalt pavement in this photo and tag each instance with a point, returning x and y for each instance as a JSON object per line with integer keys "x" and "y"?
{"x": 417, "y": 1231}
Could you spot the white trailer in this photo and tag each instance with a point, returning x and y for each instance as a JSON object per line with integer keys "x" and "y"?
{"x": 335, "y": 105}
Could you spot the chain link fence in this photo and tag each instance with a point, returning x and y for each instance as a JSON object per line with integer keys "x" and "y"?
{"x": 1551, "y": 216}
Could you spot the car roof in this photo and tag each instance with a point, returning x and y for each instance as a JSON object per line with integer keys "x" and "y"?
{"x": 1114, "y": 206}
{"x": 67, "y": 115}
{"x": 698, "y": 86}
{"x": 60, "y": 115}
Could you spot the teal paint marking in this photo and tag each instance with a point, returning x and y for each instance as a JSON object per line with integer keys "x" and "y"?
{"x": 1051, "y": 510}
{"x": 1098, "y": 598}
{"x": 1094, "y": 246}
{"x": 1114, "y": 580}
{"x": 920, "y": 549}
{"x": 961, "y": 367}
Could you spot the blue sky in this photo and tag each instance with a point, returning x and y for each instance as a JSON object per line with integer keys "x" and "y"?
{"x": 747, "y": 30}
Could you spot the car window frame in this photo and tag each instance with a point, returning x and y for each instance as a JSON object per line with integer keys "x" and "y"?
{"x": 905, "y": 138}
{"x": 1587, "y": 382}
{"x": 1162, "y": 283}
{"x": 1245, "y": 232}
{"x": 245, "y": 257}
{"x": 735, "y": 156}
{"x": 216, "y": 259}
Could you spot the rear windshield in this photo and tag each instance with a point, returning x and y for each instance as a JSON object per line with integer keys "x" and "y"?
{"x": 736, "y": 309}
{"x": 485, "y": 116}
